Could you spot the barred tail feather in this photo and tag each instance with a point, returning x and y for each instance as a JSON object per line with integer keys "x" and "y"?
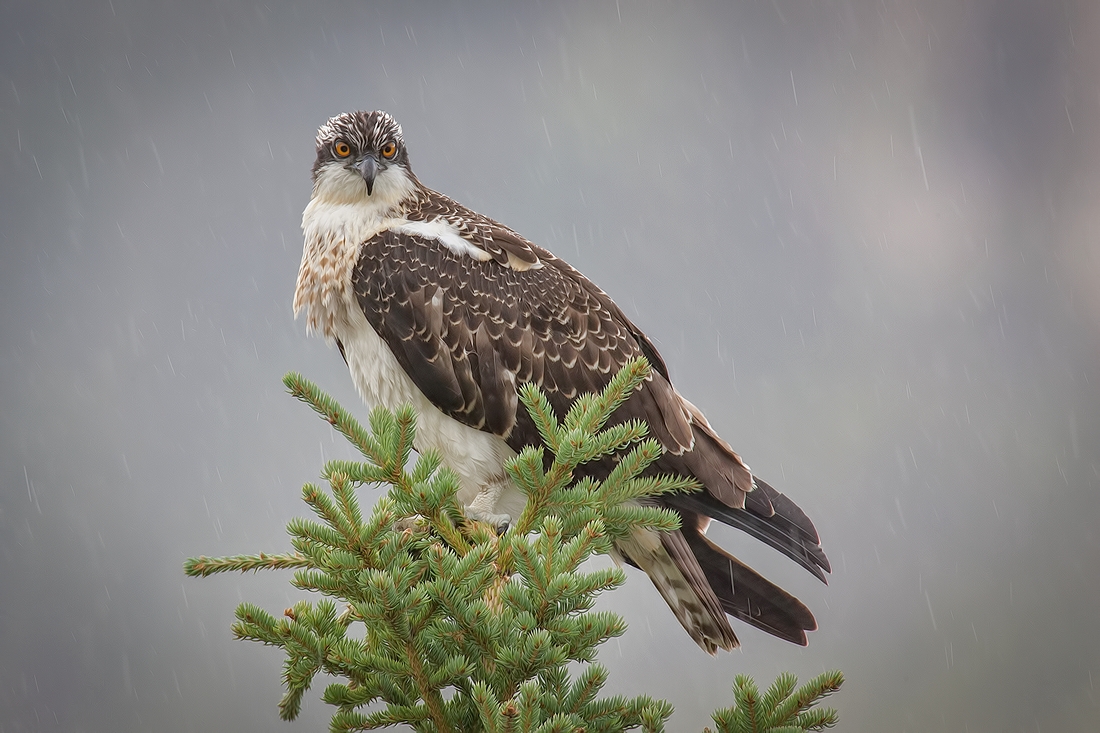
{"x": 671, "y": 564}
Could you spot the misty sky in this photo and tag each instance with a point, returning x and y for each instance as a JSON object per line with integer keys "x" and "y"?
{"x": 865, "y": 236}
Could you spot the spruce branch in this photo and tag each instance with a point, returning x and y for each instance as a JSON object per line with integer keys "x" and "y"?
{"x": 782, "y": 708}
{"x": 334, "y": 414}
{"x": 462, "y": 629}
{"x": 201, "y": 567}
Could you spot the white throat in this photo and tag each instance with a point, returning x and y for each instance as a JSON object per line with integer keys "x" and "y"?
{"x": 338, "y": 219}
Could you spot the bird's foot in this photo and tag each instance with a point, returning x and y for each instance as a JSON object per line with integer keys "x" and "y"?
{"x": 484, "y": 504}
{"x": 499, "y": 522}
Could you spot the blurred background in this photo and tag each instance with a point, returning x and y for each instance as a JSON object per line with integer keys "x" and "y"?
{"x": 865, "y": 236}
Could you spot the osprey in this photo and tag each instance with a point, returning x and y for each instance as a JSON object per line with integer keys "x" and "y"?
{"x": 437, "y": 306}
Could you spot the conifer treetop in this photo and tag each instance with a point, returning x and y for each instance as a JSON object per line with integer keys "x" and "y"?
{"x": 457, "y": 628}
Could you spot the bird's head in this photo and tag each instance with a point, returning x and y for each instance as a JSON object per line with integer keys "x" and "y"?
{"x": 361, "y": 156}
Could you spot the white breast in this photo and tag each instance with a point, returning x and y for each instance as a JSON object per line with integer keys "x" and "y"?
{"x": 476, "y": 456}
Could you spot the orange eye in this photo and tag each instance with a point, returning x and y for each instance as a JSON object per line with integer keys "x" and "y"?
{"x": 388, "y": 150}
{"x": 342, "y": 149}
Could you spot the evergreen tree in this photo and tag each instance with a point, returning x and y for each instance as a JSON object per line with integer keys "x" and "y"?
{"x": 462, "y": 629}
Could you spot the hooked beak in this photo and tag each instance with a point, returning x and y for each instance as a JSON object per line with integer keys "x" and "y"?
{"x": 368, "y": 168}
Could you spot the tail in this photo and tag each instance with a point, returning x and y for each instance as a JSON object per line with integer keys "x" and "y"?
{"x": 700, "y": 581}
{"x": 732, "y": 495}
{"x": 748, "y": 596}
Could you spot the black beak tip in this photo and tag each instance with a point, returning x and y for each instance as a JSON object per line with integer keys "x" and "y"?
{"x": 368, "y": 169}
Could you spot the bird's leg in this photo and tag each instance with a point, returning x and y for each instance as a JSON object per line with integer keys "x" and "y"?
{"x": 481, "y": 508}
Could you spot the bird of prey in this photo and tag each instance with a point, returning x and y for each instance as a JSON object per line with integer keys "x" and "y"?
{"x": 434, "y": 305}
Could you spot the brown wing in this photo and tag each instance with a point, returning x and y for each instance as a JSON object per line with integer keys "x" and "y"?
{"x": 469, "y": 332}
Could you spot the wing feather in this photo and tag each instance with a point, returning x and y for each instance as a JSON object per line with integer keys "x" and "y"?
{"x": 468, "y": 332}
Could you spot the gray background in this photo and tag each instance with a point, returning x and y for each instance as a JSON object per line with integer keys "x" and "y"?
{"x": 864, "y": 234}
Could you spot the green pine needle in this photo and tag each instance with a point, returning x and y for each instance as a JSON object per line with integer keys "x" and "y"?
{"x": 782, "y": 708}
{"x": 458, "y": 629}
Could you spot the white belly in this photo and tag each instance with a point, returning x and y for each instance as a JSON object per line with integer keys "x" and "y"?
{"x": 476, "y": 456}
